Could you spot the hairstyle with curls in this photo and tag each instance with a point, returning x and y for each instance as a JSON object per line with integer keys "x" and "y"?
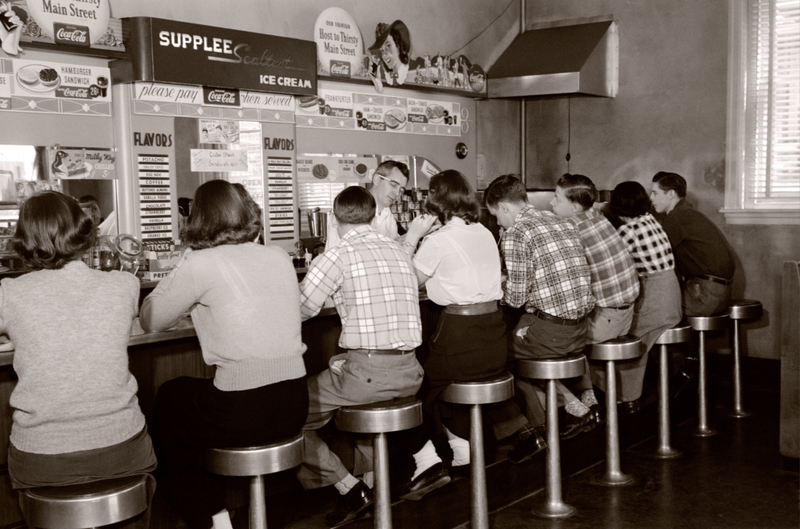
{"x": 505, "y": 188}
{"x": 52, "y": 230}
{"x": 671, "y": 182}
{"x": 388, "y": 165}
{"x": 222, "y": 213}
{"x": 629, "y": 199}
{"x": 578, "y": 189}
{"x": 451, "y": 196}
{"x": 402, "y": 50}
{"x": 354, "y": 205}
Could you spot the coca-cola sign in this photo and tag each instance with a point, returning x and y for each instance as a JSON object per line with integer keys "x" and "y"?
{"x": 340, "y": 69}
{"x": 73, "y": 92}
{"x": 221, "y": 97}
{"x": 71, "y": 34}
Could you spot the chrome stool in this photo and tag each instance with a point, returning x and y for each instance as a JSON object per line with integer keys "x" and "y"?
{"x": 740, "y": 309}
{"x": 552, "y": 369}
{"x": 255, "y": 462}
{"x": 626, "y": 347}
{"x": 475, "y": 393}
{"x": 702, "y": 324}
{"x": 380, "y": 418}
{"x": 86, "y": 505}
{"x": 677, "y": 334}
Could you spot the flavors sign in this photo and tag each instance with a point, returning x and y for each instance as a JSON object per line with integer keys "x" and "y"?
{"x": 72, "y": 22}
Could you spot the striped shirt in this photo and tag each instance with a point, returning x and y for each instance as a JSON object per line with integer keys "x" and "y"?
{"x": 614, "y": 280}
{"x": 546, "y": 266}
{"x": 647, "y": 243}
{"x": 374, "y": 287}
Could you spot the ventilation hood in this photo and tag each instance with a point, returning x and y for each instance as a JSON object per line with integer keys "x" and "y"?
{"x": 568, "y": 59}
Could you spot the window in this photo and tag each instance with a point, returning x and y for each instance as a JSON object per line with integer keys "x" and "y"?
{"x": 763, "y": 158}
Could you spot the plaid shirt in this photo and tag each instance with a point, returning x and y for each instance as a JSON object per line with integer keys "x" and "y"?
{"x": 648, "y": 244}
{"x": 546, "y": 266}
{"x": 614, "y": 279}
{"x": 374, "y": 287}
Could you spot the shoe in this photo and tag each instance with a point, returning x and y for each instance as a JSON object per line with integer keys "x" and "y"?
{"x": 431, "y": 479}
{"x": 679, "y": 383}
{"x": 574, "y": 425}
{"x": 350, "y": 506}
{"x": 629, "y": 407}
{"x": 526, "y": 448}
{"x": 597, "y": 414}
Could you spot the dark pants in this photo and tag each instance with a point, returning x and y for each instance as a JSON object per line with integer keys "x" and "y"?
{"x": 192, "y": 415}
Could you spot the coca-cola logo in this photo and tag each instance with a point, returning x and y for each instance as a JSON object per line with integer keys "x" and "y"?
{"x": 71, "y": 34}
{"x": 340, "y": 69}
{"x": 73, "y": 92}
{"x": 220, "y": 96}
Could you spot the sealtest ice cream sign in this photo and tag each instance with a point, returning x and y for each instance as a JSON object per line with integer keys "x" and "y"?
{"x": 72, "y": 22}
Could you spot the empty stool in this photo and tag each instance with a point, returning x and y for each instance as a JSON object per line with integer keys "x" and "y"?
{"x": 740, "y": 309}
{"x": 702, "y": 324}
{"x": 380, "y": 418}
{"x": 475, "y": 393}
{"x": 255, "y": 462}
{"x": 552, "y": 369}
{"x": 86, "y": 505}
{"x": 677, "y": 334}
{"x": 625, "y": 347}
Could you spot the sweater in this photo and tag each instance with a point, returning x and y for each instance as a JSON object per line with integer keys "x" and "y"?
{"x": 70, "y": 328}
{"x": 245, "y": 305}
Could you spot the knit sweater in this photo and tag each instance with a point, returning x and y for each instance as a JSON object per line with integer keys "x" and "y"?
{"x": 70, "y": 328}
{"x": 245, "y": 306}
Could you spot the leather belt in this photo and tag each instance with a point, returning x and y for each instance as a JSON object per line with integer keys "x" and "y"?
{"x": 385, "y": 352}
{"x": 487, "y": 307}
{"x": 624, "y": 307}
{"x": 555, "y": 319}
{"x": 714, "y": 279}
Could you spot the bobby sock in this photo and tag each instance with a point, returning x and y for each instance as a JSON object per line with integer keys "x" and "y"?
{"x": 369, "y": 479}
{"x": 576, "y": 408}
{"x": 425, "y": 459}
{"x": 460, "y": 448}
{"x": 588, "y": 398}
{"x": 346, "y": 484}
{"x": 222, "y": 520}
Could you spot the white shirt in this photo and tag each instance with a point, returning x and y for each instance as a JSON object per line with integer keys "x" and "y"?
{"x": 463, "y": 263}
{"x": 383, "y": 222}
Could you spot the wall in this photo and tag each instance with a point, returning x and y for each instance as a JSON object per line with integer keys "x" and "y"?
{"x": 669, "y": 115}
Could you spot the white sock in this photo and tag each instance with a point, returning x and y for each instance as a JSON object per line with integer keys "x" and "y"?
{"x": 460, "y": 449}
{"x": 222, "y": 520}
{"x": 369, "y": 479}
{"x": 588, "y": 398}
{"x": 425, "y": 459}
{"x": 576, "y": 408}
{"x": 346, "y": 484}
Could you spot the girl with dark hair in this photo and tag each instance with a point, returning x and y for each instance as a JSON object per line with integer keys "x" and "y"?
{"x": 245, "y": 305}
{"x": 459, "y": 264}
{"x": 659, "y": 304}
{"x": 76, "y": 416}
{"x": 389, "y": 55}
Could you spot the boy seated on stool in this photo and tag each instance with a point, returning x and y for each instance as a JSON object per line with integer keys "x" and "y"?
{"x": 615, "y": 285}
{"x": 374, "y": 286}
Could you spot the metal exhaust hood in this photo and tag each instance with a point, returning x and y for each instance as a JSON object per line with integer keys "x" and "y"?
{"x": 571, "y": 59}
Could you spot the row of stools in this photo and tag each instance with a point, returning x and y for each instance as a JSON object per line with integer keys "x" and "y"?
{"x": 112, "y": 501}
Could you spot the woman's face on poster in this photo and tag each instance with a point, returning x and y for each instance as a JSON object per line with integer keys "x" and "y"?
{"x": 389, "y": 53}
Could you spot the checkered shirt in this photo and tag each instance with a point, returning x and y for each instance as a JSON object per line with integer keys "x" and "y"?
{"x": 546, "y": 266}
{"x": 375, "y": 290}
{"x": 648, "y": 244}
{"x": 614, "y": 280}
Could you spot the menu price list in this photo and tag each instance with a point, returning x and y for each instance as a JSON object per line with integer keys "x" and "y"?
{"x": 280, "y": 196}
{"x": 155, "y": 201}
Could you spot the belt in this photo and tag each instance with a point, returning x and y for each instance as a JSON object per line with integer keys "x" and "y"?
{"x": 624, "y": 307}
{"x": 475, "y": 309}
{"x": 714, "y": 279}
{"x": 385, "y": 352}
{"x": 555, "y": 319}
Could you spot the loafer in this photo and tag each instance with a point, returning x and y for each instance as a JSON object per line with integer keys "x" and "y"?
{"x": 526, "y": 448}
{"x": 431, "y": 479}
{"x": 350, "y": 506}
{"x": 597, "y": 414}
{"x": 573, "y": 425}
{"x": 629, "y": 407}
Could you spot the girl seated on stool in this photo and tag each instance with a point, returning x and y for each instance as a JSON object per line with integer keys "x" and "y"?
{"x": 460, "y": 266}
{"x": 76, "y": 416}
{"x": 245, "y": 306}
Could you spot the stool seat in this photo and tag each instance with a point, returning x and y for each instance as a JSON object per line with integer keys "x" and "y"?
{"x": 568, "y": 366}
{"x": 745, "y": 309}
{"x": 484, "y": 391}
{"x": 624, "y": 347}
{"x": 381, "y": 417}
{"x": 255, "y": 460}
{"x": 87, "y": 504}
{"x": 717, "y": 322}
{"x": 678, "y": 334}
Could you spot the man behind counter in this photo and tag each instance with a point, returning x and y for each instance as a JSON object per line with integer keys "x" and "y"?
{"x": 702, "y": 255}
{"x": 388, "y": 182}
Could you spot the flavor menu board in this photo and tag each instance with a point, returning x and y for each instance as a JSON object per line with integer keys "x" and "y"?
{"x": 280, "y": 198}
{"x": 155, "y": 201}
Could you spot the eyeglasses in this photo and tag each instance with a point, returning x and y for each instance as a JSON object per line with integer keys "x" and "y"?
{"x": 392, "y": 183}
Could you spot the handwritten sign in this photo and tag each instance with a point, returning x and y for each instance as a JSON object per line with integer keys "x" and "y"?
{"x": 221, "y": 161}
